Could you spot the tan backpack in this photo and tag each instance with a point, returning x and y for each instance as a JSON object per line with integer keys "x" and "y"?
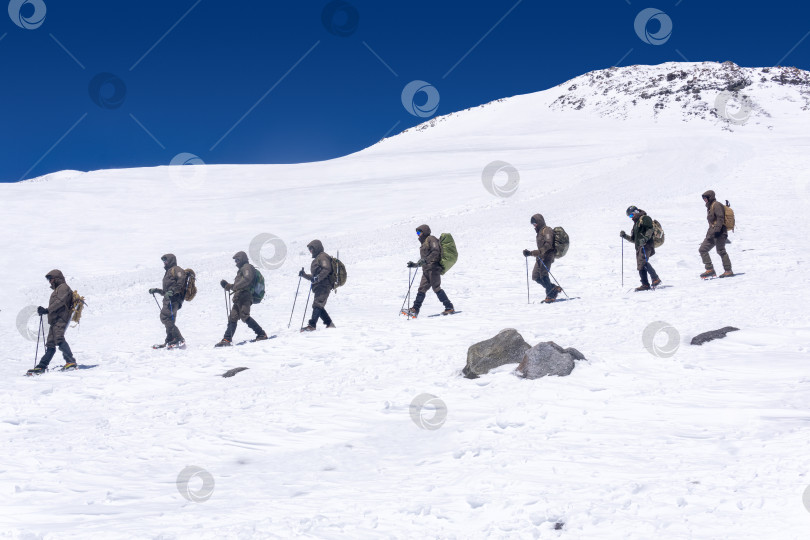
{"x": 191, "y": 285}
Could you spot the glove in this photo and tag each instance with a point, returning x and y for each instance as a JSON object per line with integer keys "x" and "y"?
{"x": 717, "y": 234}
{"x": 42, "y": 311}
{"x": 153, "y": 291}
{"x": 316, "y": 279}
{"x": 224, "y": 284}
{"x": 526, "y": 252}
{"x": 411, "y": 264}
{"x": 623, "y": 235}
{"x": 168, "y": 294}
{"x": 421, "y": 262}
{"x": 301, "y": 272}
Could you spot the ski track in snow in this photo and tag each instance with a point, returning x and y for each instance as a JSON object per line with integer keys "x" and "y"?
{"x": 315, "y": 439}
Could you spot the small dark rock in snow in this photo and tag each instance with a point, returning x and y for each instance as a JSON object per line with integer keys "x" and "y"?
{"x": 700, "y": 339}
{"x": 505, "y": 348}
{"x": 548, "y": 358}
{"x": 234, "y": 371}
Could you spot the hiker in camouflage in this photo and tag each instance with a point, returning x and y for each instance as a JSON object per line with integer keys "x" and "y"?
{"x": 544, "y": 256}
{"x": 430, "y": 253}
{"x": 642, "y": 237}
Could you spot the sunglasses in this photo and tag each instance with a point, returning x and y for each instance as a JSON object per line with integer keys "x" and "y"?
{"x": 418, "y": 233}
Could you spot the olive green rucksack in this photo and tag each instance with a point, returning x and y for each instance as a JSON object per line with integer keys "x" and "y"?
{"x": 561, "y": 242}
{"x": 658, "y": 234}
{"x": 257, "y": 288}
{"x": 338, "y": 273}
{"x": 449, "y": 252}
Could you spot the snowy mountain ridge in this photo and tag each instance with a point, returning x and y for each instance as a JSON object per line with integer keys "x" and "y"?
{"x": 723, "y": 94}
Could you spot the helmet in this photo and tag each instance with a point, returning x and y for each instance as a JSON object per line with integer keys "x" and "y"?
{"x": 631, "y": 210}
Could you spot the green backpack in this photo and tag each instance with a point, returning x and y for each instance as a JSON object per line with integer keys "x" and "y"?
{"x": 257, "y": 289}
{"x": 449, "y": 252}
{"x": 561, "y": 242}
{"x": 338, "y": 273}
{"x": 658, "y": 234}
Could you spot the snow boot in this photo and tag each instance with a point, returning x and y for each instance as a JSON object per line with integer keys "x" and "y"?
{"x": 656, "y": 282}
{"x": 180, "y": 344}
{"x": 709, "y": 273}
{"x": 39, "y": 369}
{"x": 224, "y": 343}
{"x": 308, "y": 328}
{"x": 160, "y": 345}
{"x": 331, "y": 325}
{"x": 727, "y": 273}
{"x": 448, "y": 305}
{"x": 261, "y": 337}
{"x": 644, "y": 287}
{"x": 412, "y": 313}
{"x": 69, "y": 366}
{"x": 253, "y": 325}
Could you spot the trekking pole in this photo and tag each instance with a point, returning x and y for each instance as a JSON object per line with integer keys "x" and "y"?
{"x": 306, "y": 306}
{"x": 552, "y": 277}
{"x": 294, "y": 300}
{"x": 622, "y": 241}
{"x": 408, "y": 296}
{"x": 227, "y": 311}
{"x": 39, "y": 333}
{"x": 528, "y": 296}
{"x": 156, "y": 302}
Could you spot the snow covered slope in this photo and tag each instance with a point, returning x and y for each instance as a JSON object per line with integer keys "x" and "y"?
{"x": 316, "y": 438}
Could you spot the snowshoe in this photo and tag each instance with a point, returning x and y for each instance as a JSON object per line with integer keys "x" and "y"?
{"x": 448, "y": 311}
{"x": 656, "y": 282}
{"x": 224, "y": 343}
{"x": 727, "y": 273}
{"x": 710, "y": 273}
{"x": 549, "y": 300}
{"x": 260, "y": 338}
{"x": 69, "y": 366}
{"x": 643, "y": 287}
{"x": 308, "y": 328}
{"x": 410, "y": 313}
{"x": 176, "y": 345}
{"x": 159, "y": 345}
{"x": 38, "y": 370}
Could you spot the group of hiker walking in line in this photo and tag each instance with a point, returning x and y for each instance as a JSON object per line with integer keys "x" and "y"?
{"x": 327, "y": 273}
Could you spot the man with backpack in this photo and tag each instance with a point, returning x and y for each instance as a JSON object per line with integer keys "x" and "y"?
{"x": 642, "y": 236}
{"x": 242, "y": 289}
{"x": 544, "y": 255}
{"x": 716, "y": 237}
{"x": 430, "y": 253}
{"x": 321, "y": 278}
{"x": 59, "y": 311}
{"x": 173, "y": 292}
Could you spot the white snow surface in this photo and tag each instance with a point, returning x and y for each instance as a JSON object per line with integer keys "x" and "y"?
{"x": 316, "y": 439}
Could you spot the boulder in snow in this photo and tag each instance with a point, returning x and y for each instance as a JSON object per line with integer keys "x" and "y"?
{"x": 548, "y": 358}
{"x": 700, "y": 339}
{"x": 505, "y": 348}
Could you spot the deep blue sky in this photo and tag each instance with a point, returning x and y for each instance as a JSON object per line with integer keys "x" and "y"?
{"x": 219, "y": 60}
